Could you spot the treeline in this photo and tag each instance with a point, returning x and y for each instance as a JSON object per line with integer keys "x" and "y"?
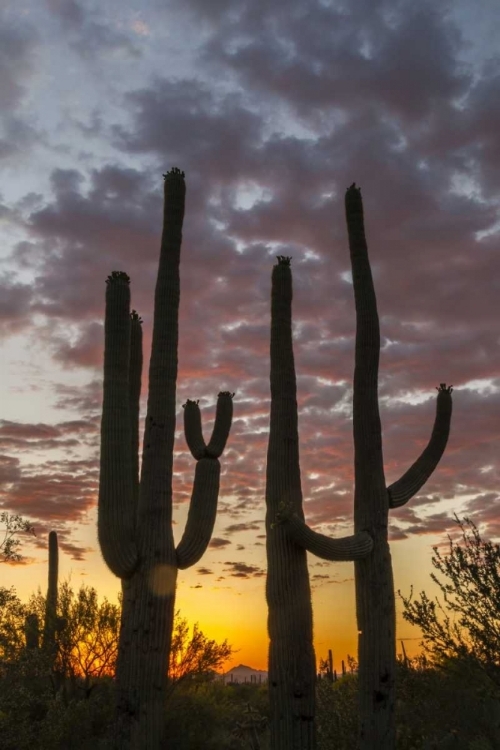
{"x": 68, "y": 703}
{"x": 448, "y": 697}
{"x": 64, "y": 697}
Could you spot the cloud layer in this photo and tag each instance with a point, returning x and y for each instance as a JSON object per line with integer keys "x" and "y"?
{"x": 273, "y": 113}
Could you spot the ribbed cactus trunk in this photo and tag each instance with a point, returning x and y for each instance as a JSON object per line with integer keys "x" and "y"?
{"x": 135, "y": 517}
{"x": 292, "y": 663}
{"x": 375, "y": 605}
{"x": 375, "y": 602}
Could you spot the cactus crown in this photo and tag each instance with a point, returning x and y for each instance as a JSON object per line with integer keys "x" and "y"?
{"x": 443, "y": 388}
{"x": 353, "y": 189}
{"x": 118, "y": 276}
{"x": 284, "y": 260}
{"x": 190, "y": 401}
{"x": 226, "y": 393}
{"x": 174, "y": 172}
{"x": 134, "y": 315}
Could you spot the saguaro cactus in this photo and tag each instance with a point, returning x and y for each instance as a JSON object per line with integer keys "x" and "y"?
{"x": 135, "y": 517}
{"x": 52, "y": 623}
{"x": 375, "y": 604}
{"x": 292, "y": 664}
{"x": 32, "y": 632}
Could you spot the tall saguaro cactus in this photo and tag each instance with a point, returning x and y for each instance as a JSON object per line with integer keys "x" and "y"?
{"x": 375, "y": 603}
{"x": 292, "y": 664}
{"x": 135, "y": 516}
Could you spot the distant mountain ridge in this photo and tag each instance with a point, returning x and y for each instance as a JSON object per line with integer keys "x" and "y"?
{"x": 243, "y": 673}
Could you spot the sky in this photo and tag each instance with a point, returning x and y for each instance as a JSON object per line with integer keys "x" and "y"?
{"x": 272, "y": 110}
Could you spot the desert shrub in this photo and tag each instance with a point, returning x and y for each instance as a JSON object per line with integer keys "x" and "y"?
{"x": 454, "y": 705}
{"x": 337, "y": 713}
{"x": 34, "y": 714}
{"x": 207, "y": 716}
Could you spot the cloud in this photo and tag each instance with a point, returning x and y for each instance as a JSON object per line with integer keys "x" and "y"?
{"x": 242, "y": 570}
{"x": 218, "y": 543}
{"x": 204, "y": 571}
{"x": 236, "y": 527}
{"x": 272, "y": 113}
{"x": 18, "y": 43}
{"x": 91, "y": 35}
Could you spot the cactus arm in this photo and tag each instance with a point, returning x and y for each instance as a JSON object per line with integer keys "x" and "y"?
{"x": 417, "y": 475}
{"x": 202, "y": 513}
{"x": 220, "y": 432}
{"x": 116, "y": 511}
{"x": 192, "y": 429}
{"x": 347, "y": 548}
{"x": 222, "y": 425}
{"x": 203, "y": 505}
{"x": 135, "y": 373}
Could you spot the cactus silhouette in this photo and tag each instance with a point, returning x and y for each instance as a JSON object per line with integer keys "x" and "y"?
{"x": 292, "y": 663}
{"x": 32, "y": 632}
{"x": 135, "y": 516}
{"x": 52, "y": 623}
{"x": 375, "y": 603}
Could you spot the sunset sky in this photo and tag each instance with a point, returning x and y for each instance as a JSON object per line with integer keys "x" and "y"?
{"x": 272, "y": 109}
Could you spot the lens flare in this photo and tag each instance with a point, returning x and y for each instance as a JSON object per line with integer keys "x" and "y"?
{"x": 162, "y": 580}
